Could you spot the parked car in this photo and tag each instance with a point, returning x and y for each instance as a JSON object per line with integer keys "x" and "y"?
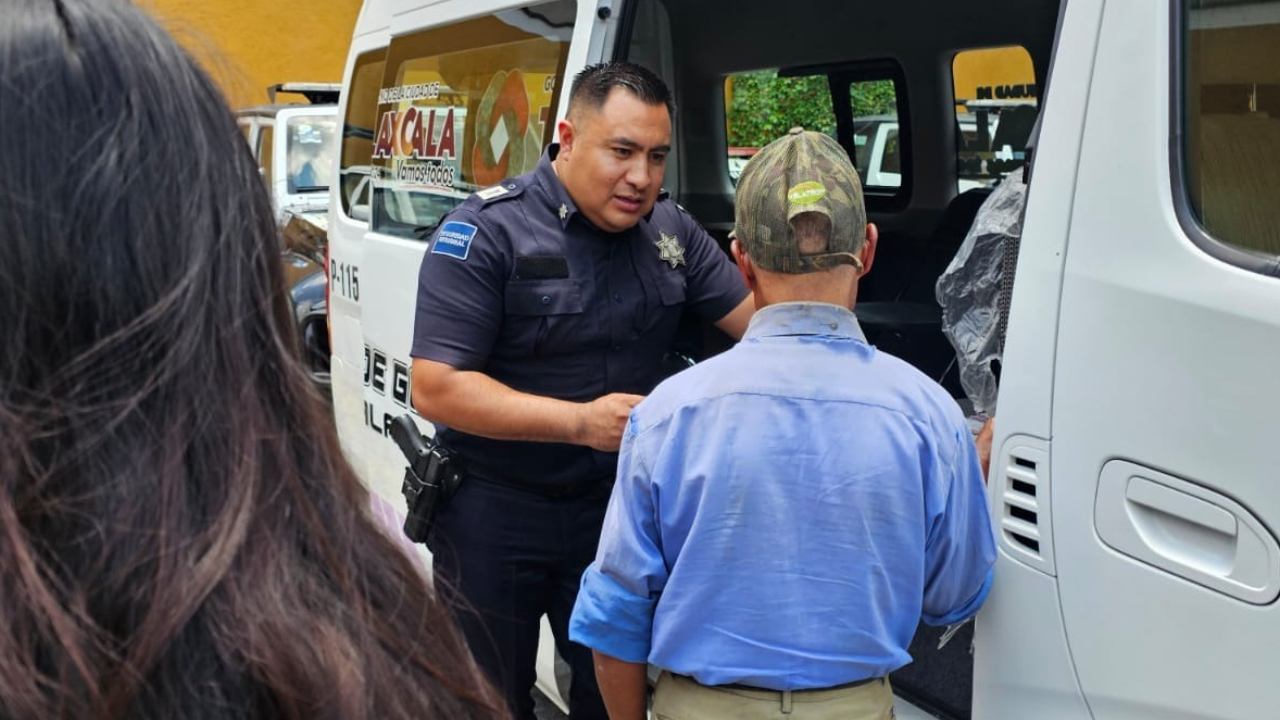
{"x": 878, "y": 154}
{"x": 298, "y": 172}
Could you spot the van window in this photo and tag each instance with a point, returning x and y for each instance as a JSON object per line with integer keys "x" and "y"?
{"x": 996, "y": 104}
{"x": 357, "y": 134}
{"x": 463, "y": 107}
{"x": 761, "y": 107}
{"x": 877, "y": 152}
{"x": 1231, "y": 115}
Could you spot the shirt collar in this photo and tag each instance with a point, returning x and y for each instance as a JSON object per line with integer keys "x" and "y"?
{"x": 804, "y": 318}
{"x": 560, "y": 202}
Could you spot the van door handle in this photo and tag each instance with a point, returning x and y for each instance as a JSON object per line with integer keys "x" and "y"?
{"x": 1187, "y": 530}
{"x": 1182, "y": 527}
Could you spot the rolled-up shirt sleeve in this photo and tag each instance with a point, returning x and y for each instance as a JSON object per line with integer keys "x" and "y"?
{"x": 960, "y": 552}
{"x": 615, "y": 606}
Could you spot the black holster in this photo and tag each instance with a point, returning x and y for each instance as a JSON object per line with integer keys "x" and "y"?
{"x": 430, "y": 480}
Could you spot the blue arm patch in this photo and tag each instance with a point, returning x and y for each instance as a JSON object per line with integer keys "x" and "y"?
{"x": 454, "y": 240}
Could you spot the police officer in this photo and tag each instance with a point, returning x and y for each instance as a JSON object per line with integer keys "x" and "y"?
{"x": 545, "y": 305}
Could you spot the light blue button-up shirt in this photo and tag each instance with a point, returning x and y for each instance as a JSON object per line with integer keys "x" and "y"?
{"x": 786, "y": 512}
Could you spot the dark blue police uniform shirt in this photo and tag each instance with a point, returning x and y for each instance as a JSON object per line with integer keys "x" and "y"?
{"x": 519, "y": 286}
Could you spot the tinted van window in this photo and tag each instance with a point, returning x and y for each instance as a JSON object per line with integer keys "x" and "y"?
{"x": 357, "y": 134}
{"x": 1232, "y": 120}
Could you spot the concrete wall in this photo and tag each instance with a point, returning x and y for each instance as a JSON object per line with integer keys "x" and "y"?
{"x": 247, "y": 45}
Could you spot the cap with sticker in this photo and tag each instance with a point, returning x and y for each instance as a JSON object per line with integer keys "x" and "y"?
{"x": 801, "y": 172}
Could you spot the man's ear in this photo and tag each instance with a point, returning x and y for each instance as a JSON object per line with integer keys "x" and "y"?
{"x": 868, "y": 253}
{"x": 745, "y": 268}
{"x": 567, "y": 136}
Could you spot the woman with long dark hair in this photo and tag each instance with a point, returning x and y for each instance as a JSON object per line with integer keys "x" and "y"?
{"x": 179, "y": 534}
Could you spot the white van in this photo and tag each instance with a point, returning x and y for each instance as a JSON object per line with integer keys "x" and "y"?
{"x": 1133, "y": 490}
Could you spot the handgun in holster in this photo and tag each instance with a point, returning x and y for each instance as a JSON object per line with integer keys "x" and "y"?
{"x": 431, "y": 478}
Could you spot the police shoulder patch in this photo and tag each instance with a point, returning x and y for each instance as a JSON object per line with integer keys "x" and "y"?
{"x": 454, "y": 240}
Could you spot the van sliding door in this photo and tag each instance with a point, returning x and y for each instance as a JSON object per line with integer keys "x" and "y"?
{"x": 1166, "y": 497}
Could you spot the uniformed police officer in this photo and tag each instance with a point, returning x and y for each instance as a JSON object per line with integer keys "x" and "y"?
{"x": 545, "y": 305}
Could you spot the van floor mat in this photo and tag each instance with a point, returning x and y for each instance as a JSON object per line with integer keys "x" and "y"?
{"x": 939, "y": 681}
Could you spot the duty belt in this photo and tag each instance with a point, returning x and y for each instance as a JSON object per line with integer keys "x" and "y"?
{"x": 558, "y": 491}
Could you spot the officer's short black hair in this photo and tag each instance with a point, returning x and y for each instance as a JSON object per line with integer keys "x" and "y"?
{"x": 592, "y": 86}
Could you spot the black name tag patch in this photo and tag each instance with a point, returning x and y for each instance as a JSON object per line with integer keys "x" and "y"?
{"x": 542, "y": 267}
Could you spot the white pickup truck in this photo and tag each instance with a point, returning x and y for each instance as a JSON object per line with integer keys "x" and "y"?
{"x": 296, "y": 146}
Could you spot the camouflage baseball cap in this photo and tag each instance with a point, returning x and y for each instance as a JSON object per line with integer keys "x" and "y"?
{"x": 803, "y": 171}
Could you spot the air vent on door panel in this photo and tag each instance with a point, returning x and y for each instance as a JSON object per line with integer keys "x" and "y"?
{"x": 1022, "y": 479}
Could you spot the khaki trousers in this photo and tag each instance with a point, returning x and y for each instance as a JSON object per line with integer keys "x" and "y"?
{"x": 677, "y": 697}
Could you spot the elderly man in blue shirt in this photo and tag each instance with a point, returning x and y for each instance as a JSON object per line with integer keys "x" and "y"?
{"x": 786, "y": 512}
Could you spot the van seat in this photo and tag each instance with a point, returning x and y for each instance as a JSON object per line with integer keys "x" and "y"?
{"x": 902, "y": 316}
{"x": 1014, "y": 130}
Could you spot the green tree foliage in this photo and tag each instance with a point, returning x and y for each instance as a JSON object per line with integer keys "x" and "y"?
{"x": 764, "y": 106}
{"x": 873, "y": 98}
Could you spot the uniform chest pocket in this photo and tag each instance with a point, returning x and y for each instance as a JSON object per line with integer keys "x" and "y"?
{"x": 665, "y": 292}
{"x": 671, "y": 288}
{"x": 544, "y": 297}
{"x": 543, "y": 317}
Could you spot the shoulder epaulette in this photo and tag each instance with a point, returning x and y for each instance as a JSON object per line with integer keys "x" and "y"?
{"x": 505, "y": 190}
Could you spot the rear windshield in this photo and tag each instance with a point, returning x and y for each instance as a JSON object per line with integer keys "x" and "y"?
{"x": 313, "y": 142}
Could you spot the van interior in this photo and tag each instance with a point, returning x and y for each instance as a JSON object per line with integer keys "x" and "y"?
{"x": 922, "y": 221}
{"x": 915, "y": 45}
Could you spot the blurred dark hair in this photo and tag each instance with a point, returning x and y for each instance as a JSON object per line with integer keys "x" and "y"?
{"x": 591, "y": 86}
{"x": 180, "y": 536}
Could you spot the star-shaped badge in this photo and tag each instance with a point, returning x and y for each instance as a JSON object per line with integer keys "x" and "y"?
{"x": 564, "y": 211}
{"x": 670, "y": 250}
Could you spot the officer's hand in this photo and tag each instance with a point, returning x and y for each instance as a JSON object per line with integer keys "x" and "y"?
{"x": 601, "y": 421}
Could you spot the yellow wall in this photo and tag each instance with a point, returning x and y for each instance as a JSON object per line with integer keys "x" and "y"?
{"x": 247, "y": 45}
